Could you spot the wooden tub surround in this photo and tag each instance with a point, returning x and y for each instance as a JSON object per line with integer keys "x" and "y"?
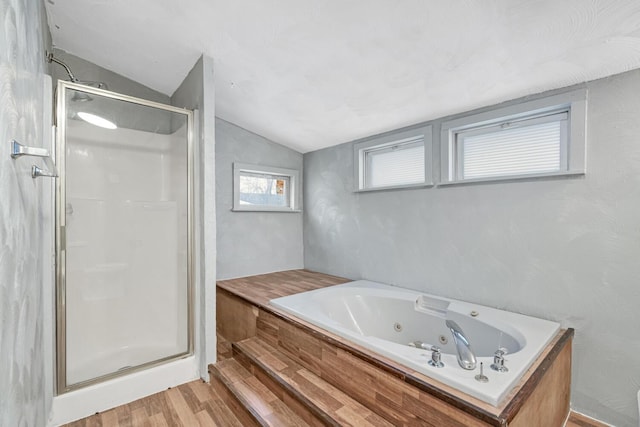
{"x": 275, "y": 369}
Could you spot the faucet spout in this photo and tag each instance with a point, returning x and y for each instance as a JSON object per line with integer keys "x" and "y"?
{"x": 466, "y": 358}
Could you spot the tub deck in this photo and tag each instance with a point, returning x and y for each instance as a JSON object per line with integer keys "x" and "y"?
{"x": 241, "y": 301}
{"x": 259, "y": 290}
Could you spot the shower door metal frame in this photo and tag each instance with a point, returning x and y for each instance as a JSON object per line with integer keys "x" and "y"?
{"x": 60, "y": 237}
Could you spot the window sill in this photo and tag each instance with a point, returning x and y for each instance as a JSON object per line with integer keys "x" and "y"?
{"x": 395, "y": 187}
{"x": 267, "y": 210}
{"x": 513, "y": 178}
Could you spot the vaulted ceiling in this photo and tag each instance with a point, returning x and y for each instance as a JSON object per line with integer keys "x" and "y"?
{"x": 311, "y": 74}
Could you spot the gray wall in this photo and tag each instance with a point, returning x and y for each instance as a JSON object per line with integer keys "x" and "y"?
{"x": 252, "y": 243}
{"x": 197, "y": 92}
{"x": 561, "y": 249}
{"x": 25, "y": 394}
{"x": 84, "y": 70}
{"x": 125, "y": 115}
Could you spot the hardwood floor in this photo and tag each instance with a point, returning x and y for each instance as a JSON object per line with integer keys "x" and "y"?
{"x": 197, "y": 404}
{"x": 579, "y": 420}
{"x": 190, "y": 405}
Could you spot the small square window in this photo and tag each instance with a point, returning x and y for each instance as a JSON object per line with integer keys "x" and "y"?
{"x": 264, "y": 188}
{"x": 395, "y": 161}
{"x": 545, "y": 137}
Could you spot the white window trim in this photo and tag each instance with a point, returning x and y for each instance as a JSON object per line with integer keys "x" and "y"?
{"x": 359, "y": 149}
{"x": 294, "y": 181}
{"x": 575, "y": 103}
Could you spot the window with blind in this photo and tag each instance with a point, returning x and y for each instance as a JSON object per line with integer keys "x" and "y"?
{"x": 544, "y": 137}
{"x": 264, "y": 188}
{"x": 523, "y": 147}
{"x": 395, "y": 161}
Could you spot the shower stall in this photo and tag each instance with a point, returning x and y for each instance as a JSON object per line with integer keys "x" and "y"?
{"x": 124, "y": 235}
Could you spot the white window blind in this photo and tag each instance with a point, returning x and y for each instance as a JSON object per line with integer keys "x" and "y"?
{"x": 525, "y": 147}
{"x": 395, "y": 164}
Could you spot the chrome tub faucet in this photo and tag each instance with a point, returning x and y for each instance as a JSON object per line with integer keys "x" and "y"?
{"x": 466, "y": 358}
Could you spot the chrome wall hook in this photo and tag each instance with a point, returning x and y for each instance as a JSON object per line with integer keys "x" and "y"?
{"x": 19, "y": 150}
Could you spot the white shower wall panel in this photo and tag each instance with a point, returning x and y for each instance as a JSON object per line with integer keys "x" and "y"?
{"x": 126, "y": 249}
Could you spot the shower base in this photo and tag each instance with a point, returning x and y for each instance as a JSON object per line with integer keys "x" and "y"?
{"x": 109, "y": 394}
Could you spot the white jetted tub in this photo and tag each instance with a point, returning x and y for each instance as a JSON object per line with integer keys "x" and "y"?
{"x": 386, "y": 319}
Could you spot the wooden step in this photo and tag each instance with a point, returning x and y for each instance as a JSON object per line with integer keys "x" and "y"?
{"x": 288, "y": 379}
{"x": 252, "y": 402}
{"x": 223, "y": 349}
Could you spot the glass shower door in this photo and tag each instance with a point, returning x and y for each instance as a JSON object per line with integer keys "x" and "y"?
{"x": 123, "y": 235}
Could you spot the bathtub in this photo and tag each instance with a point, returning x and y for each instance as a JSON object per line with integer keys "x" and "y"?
{"x": 386, "y": 319}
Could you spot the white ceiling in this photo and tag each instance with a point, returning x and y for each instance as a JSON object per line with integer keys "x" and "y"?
{"x": 311, "y": 74}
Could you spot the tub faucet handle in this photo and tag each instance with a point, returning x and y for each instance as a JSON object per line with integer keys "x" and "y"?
{"x": 498, "y": 360}
{"x": 436, "y": 355}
